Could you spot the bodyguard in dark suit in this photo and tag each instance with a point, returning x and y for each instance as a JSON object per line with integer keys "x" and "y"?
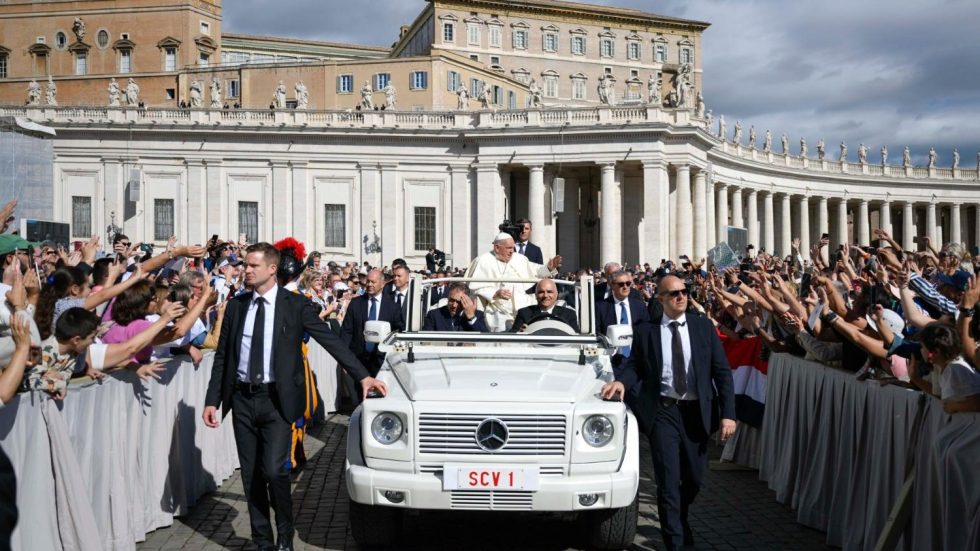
{"x": 374, "y": 304}
{"x": 603, "y": 290}
{"x": 259, "y": 373}
{"x": 675, "y": 378}
{"x": 547, "y": 294}
{"x": 523, "y": 244}
{"x": 438, "y": 292}
{"x": 459, "y": 314}
{"x": 620, "y": 308}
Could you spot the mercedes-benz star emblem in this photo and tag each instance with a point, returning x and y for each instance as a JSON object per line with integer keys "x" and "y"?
{"x": 491, "y": 434}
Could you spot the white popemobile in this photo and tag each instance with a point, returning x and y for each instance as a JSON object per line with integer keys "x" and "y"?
{"x": 495, "y": 422}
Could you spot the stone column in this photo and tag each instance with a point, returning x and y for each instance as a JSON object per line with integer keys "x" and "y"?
{"x": 217, "y": 200}
{"x": 722, "y": 226}
{"x": 684, "y": 225}
{"x": 931, "y": 224}
{"x": 489, "y": 200}
{"x": 656, "y": 211}
{"x": 885, "y": 217}
{"x": 569, "y": 227}
{"x": 768, "y": 222}
{"x": 908, "y": 226}
{"x": 196, "y": 204}
{"x": 785, "y": 226}
{"x": 955, "y": 235}
{"x": 976, "y": 230}
{"x": 610, "y": 221}
{"x": 738, "y": 219}
{"x": 803, "y": 206}
{"x": 303, "y": 223}
{"x": 753, "y": 219}
{"x": 841, "y": 222}
{"x": 281, "y": 210}
{"x": 862, "y": 233}
{"x": 461, "y": 215}
{"x": 709, "y": 214}
{"x": 700, "y": 215}
{"x": 535, "y": 198}
{"x": 823, "y": 225}
{"x": 391, "y": 199}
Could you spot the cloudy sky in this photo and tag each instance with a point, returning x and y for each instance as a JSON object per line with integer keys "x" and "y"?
{"x": 891, "y": 72}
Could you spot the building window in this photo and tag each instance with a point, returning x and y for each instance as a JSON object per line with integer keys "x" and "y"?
{"x": 475, "y": 57}
{"x": 608, "y": 48}
{"x": 381, "y": 80}
{"x": 125, "y": 61}
{"x": 578, "y": 45}
{"x": 248, "y": 220}
{"x": 687, "y": 55}
{"x": 494, "y": 60}
{"x": 102, "y": 38}
{"x": 419, "y": 80}
{"x": 3, "y": 65}
{"x": 453, "y": 81}
{"x": 335, "y": 225}
{"x": 60, "y": 40}
{"x": 345, "y": 84}
{"x": 633, "y": 50}
{"x": 473, "y": 33}
{"x": 449, "y": 32}
{"x": 520, "y": 39}
{"x": 498, "y": 95}
{"x": 551, "y": 86}
{"x": 81, "y": 216}
{"x": 163, "y": 219}
{"x": 205, "y": 28}
{"x": 234, "y": 88}
{"x": 425, "y": 228}
{"x": 660, "y": 53}
{"x": 203, "y": 60}
{"x": 512, "y": 99}
{"x": 475, "y": 87}
{"x": 495, "y": 36}
{"x": 551, "y": 42}
{"x": 81, "y": 63}
{"x": 170, "y": 93}
{"x": 578, "y": 89}
{"x": 170, "y": 59}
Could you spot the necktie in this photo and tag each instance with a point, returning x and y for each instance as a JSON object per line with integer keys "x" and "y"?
{"x": 256, "y": 349}
{"x": 522, "y": 248}
{"x": 372, "y": 315}
{"x": 398, "y": 299}
{"x": 625, "y": 320}
{"x": 677, "y": 367}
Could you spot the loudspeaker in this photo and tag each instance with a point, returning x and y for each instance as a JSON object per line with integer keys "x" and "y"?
{"x": 558, "y": 189}
{"x": 134, "y": 185}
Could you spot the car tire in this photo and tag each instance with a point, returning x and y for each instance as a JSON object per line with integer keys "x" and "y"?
{"x": 374, "y": 525}
{"x": 613, "y": 528}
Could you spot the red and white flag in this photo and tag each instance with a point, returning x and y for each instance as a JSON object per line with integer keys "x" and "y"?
{"x": 749, "y": 372}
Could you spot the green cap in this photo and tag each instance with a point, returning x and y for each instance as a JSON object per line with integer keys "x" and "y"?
{"x": 10, "y": 243}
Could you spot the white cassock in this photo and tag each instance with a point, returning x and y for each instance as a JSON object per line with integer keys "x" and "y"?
{"x": 500, "y": 312}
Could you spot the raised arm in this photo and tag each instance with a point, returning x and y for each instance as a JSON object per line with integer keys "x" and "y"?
{"x": 13, "y": 372}
{"x": 119, "y": 354}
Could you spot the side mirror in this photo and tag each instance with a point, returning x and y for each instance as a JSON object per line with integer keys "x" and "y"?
{"x": 376, "y": 331}
{"x": 620, "y": 336}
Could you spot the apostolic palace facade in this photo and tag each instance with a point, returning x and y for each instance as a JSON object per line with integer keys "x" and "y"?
{"x": 588, "y": 120}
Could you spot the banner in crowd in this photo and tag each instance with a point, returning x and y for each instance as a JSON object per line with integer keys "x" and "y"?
{"x": 749, "y": 371}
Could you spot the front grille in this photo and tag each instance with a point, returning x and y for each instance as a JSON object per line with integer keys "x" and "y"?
{"x": 492, "y": 501}
{"x": 543, "y": 470}
{"x": 455, "y": 434}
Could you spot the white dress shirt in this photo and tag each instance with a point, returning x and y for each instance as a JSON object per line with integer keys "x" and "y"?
{"x": 619, "y": 311}
{"x": 666, "y": 347}
{"x": 268, "y": 332}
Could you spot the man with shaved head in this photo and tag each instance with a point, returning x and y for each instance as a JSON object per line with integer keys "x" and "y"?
{"x": 685, "y": 376}
{"x": 546, "y": 292}
{"x": 502, "y": 300}
{"x": 374, "y": 304}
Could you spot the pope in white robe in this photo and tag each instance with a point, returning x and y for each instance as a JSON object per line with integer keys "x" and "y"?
{"x": 501, "y": 301}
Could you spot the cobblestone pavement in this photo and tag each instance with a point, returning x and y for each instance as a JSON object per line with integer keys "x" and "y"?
{"x": 733, "y": 511}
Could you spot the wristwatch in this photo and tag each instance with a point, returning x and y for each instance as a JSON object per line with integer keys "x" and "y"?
{"x": 829, "y": 318}
{"x": 968, "y": 312}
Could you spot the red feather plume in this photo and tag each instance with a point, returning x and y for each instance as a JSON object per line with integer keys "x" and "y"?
{"x": 298, "y": 249}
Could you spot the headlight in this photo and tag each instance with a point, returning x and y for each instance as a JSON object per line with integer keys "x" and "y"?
{"x": 387, "y": 428}
{"x": 598, "y": 430}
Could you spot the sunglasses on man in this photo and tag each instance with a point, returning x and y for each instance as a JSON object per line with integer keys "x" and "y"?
{"x": 675, "y": 293}
{"x": 622, "y": 283}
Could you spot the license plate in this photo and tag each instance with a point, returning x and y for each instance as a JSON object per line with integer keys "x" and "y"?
{"x": 460, "y": 477}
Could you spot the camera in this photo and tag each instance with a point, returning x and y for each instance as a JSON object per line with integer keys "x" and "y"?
{"x": 511, "y": 228}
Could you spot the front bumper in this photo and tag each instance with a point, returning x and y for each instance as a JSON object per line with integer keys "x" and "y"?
{"x": 424, "y": 491}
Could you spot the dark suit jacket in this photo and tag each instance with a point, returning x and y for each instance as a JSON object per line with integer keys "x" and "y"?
{"x": 437, "y": 293}
{"x": 526, "y": 314}
{"x": 295, "y": 316}
{"x": 606, "y": 313}
{"x": 641, "y": 373}
{"x": 352, "y": 330}
{"x": 390, "y": 292}
{"x": 440, "y": 320}
{"x": 532, "y": 252}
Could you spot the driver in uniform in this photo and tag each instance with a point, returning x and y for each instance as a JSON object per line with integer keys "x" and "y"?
{"x": 546, "y": 293}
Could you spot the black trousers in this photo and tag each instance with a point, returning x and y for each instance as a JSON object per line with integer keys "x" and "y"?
{"x": 8, "y": 501}
{"x": 264, "y": 438}
{"x": 679, "y": 446}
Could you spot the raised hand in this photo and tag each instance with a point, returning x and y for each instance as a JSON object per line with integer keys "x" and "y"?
{"x": 152, "y": 370}
{"x": 7, "y": 215}
{"x": 971, "y": 295}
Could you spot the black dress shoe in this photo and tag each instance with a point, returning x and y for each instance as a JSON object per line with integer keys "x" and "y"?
{"x": 285, "y": 546}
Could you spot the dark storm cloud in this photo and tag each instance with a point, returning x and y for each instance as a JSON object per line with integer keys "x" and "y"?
{"x": 892, "y": 72}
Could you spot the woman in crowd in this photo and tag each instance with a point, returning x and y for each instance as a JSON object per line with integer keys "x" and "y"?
{"x": 68, "y": 287}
